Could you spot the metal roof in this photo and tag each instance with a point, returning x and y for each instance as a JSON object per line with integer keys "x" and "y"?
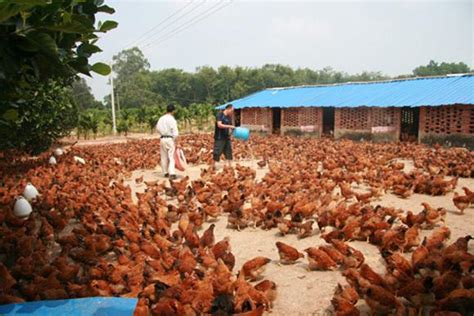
{"x": 423, "y": 91}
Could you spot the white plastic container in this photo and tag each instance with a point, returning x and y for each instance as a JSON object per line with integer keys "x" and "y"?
{"x": 58, "y": 151}
{"x": 79, "y": 160}
{"x": 30, "y": 192}
{"x": 52, "y": 160}
{"x": 22, "y": 207}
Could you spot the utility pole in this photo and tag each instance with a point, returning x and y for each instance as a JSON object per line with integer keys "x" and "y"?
{"x": 114, "y": 126}
{"x": 118, "y": 101}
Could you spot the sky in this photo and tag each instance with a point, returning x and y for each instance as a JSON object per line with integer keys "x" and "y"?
{"x": 393, "y": 37}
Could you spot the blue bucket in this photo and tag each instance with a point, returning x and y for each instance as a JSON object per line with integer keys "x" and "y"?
{"x": 241, "y": 133}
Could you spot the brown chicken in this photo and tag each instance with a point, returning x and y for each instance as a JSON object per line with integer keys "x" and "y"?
{"x": 288, "y": 254}
{"x": 6, "y": 279}
{"x": 437, "y": 238}
{"x": 469, "y": 193}
{"x": 253, "y": 268}
{"x": 344, "y": 301}
{"x": 207, "y": 239}
{"x": 412, "y": 238}
{"x": 269, "y": 289}
{"x": 461, "y": 202}
{"x": 319, "y": 260}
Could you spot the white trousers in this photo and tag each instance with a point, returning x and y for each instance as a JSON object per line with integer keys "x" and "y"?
{"x": 167, "y": 155}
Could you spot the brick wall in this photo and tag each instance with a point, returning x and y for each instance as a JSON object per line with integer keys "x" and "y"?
{"x": 453, "y": 119}
{"x": 369, "y": 123}
{"x": 303, "y": 119}
{"x": 452, "y": 124}
{"x": 259, "y": 119}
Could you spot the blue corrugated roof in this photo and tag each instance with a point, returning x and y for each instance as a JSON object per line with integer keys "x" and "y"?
{"x": 427, "y": 91}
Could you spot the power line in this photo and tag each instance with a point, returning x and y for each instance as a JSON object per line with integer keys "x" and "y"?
{"x": 188, "y": 24}
{"x": 159, "y": 24}
{"x": 173, "y": 22}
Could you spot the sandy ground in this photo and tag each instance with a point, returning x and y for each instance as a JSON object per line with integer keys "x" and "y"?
{"x": 303, "y": 292}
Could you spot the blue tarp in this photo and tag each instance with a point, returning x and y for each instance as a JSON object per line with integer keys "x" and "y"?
{"x": 97, "y": 306}
{"x": 433, "y": 91}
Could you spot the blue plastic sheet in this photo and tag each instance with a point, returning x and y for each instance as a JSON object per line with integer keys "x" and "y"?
{"x": 91, "y": 306}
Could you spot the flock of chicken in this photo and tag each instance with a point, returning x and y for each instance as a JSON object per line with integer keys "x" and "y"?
{"x": 86, "y": 236}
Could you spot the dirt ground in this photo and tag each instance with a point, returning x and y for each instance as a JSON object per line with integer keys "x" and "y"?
{"x": 303, "y": 292}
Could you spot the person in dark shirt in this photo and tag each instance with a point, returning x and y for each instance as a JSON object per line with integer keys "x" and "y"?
{"x": 222, "y": 133}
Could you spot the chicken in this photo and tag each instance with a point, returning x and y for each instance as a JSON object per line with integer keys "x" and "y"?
{"x": 139, "y": 180}
{"x": 461, "y": 244}
{"x": 370, "y": 275}
{"x": 412, "y": 238}
{"x": 437, "y": 238}
{"x": 141, "y": 309}
{"x": 445, "y": 283}
{"x": 220, "y": 248}
{"x": 363, "y": 197}
{"x": 6, "y": 279}
{"x": 332, "y": 252}
{"x": 207, "y": 239}
{"x": 461, "y": 202}
{"x": 305, "y": 229}
{"x": 384, "y": 300}
{"x": 344, "y": 301}
{"x": 432, "y": 215}
{"x": 469, "y": 193}
{"x": 223, "y": 281}
{"x": 183, "y": 222}
{"x": 262, "y": 163}
{"x": 288, "y": 254}
{"x": 319, "y": 259}
{"x": 253, "y": 268}
{"x": 461, "y": 300}
{"x": 247, "y": 298}
{"x": 269, "y": 289}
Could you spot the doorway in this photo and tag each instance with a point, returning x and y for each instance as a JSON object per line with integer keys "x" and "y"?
{"x": 328, "y": 121}
{"x": 276, "y": 120}
{"x": 410, "y": 119}
{"x": 237, "y": 114}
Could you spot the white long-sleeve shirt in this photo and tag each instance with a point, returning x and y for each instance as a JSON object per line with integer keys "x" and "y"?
{"x": 167, "y": 126}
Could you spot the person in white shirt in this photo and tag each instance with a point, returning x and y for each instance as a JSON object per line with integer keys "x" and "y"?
{"x": 167, "y": 127}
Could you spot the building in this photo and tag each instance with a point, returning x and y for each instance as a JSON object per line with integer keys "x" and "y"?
{"x": 427, "y": 109}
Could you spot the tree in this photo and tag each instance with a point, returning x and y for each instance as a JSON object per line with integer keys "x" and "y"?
{"x": 83, "y": 96}
{"x": 44, "y": 42}
{"x": 52, "y": 115}
{"x": 128, "y": 63}
{"x": 435, "y": 69}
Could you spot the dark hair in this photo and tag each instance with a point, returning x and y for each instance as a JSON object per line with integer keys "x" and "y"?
{"x": 170, "y": 108}
{"x": 228, "y": 106}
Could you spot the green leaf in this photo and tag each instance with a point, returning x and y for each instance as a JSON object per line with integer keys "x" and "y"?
{"x": 106, "y": 9}
{"x": 10, "y": 115}
{"x": 81, "y": 65}
{"x": 11, "y": 8}
{"x": 44, "y": 42}
{"x": 88, "y": 49}
{"x": 101, "y": 69}
{"x": 107, "y": 26}
{"x": 70, "y": 27}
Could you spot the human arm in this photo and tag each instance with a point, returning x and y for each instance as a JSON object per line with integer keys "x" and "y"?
{"x": 222, "y": 125}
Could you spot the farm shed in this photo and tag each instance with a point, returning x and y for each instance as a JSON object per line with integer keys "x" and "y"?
{"x": 427, "y": 109}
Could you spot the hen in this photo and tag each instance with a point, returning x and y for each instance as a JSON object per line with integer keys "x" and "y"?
{"x": 288, "y": 254}
{"x": 253, "y": 268}
{"x": 319, "y": 259}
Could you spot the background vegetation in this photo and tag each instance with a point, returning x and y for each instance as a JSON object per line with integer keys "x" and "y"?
{"x": 47, "y": 43}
